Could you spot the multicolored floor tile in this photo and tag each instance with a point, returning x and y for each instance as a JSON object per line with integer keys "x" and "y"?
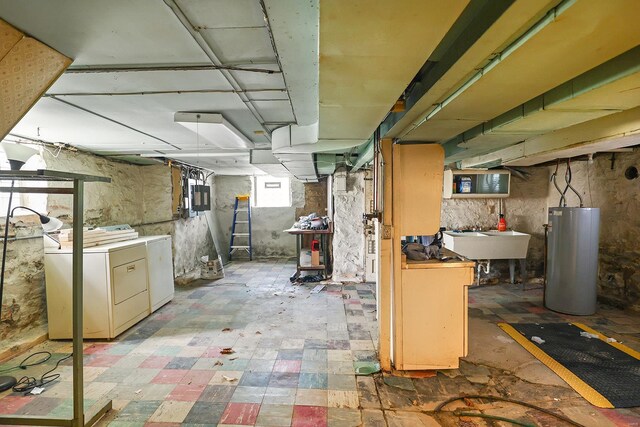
{"x": 254, "y": 349}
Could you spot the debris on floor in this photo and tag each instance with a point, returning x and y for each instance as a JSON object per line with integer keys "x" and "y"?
{"x": 588, "y": 335}
{"x": 314, "y": 278}
{"x": 537, "y": 340}
{"x": 366, "y": 368}
{"x": 317, "y": 289}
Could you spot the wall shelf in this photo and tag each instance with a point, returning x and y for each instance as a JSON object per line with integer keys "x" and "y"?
{"x": 476, "y": 184}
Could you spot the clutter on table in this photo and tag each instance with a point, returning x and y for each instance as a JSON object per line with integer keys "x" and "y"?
{"x": 312, "y": 222}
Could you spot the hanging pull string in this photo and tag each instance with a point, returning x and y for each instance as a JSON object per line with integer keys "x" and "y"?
{"x": 555, "y": 184}
{"x": 567, "y": 179}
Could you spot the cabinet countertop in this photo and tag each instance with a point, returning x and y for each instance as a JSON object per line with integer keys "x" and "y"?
{"x": 454, "y": 261}
{"x": 434, "y": 263}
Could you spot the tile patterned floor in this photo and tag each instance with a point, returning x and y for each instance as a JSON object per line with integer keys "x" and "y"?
{"x": 293, "y": 361}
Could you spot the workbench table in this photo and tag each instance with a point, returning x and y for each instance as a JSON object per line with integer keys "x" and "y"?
{"x": 323, "y": 238}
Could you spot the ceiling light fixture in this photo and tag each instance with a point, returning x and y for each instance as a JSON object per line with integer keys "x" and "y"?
{"x": 214, "y": 128}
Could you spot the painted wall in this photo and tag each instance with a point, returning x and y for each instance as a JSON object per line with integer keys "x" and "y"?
{"x": 137, "y": 195}
{"x": 268, "y": 240}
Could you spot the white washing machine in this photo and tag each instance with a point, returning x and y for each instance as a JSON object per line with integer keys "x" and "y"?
{"x": 160, "y": 266}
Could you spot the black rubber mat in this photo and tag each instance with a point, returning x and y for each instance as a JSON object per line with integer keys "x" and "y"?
{"x": 611, "y": 372}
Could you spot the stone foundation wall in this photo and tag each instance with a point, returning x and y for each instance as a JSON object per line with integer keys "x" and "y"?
{"x": 138, "y": 195}
{"x": 525, "y": 211}
{"x": 348, "y": 229}
{"x": 603, "y": 185}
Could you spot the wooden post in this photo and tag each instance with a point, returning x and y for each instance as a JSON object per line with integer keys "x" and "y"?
{"x": 417, "y": 198}
{"x": 385, "y": 272}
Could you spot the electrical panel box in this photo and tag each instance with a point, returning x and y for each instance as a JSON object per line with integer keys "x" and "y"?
{"x": 200, "y": 198}
{"x": 197, "y": 198}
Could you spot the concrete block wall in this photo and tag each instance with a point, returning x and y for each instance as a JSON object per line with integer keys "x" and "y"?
{"x": 268, "y": 240}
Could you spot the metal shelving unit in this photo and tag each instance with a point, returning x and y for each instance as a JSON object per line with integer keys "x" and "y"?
{"x": 77, "y": 190}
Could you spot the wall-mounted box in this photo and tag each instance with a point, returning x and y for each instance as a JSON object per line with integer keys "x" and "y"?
{"x": 468, "y": 184}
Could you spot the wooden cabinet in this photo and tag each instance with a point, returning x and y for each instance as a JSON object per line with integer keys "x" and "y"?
{"x": 424, "y": 305}
{"x": 470, "y": 184}
{"x": 433, "y": 317}
{"x": 116, "y": 289}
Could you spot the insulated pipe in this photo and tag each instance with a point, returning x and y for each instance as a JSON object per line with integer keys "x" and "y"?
{"x": 375, "y": 178}
{"x": 497, "y": 59}
{"x": 330, "y": 197}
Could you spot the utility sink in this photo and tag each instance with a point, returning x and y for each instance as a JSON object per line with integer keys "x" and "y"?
{"x": 487, "y": 244}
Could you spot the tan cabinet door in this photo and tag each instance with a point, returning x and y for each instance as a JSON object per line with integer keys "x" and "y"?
{"x": 434, "y": 317}
{"x": 418, "y": 171}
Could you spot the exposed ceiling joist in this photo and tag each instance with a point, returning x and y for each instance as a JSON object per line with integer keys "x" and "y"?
{"x": 609, "y": 132}
{"x": 607, "y": 89}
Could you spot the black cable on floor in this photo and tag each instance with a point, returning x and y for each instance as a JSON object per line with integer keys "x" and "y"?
{"x": 516, "y": 402}
{"x": 26, "y": 384}
{"x": 27, "y": 363}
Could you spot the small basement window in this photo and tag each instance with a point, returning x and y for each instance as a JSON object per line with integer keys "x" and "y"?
{"x": 271, "y": 192}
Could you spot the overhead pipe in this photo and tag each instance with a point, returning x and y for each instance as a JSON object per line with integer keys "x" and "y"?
{"x": 623, "y": 65}
{"x": 275, "y": 50}
{"x": 163, "y": 92}
{"x": 550, "y": 17}
{"x": 454, "y": 44}
{"x": 101, "y": 69}
{"x": 114, "y": 121}
{"x": 365, "y": 153}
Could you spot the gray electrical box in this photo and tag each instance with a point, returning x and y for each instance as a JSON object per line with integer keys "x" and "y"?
{"x": 572, "y": 260}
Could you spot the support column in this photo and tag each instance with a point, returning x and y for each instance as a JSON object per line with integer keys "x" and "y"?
{"x": 77, "y": 280}
{"x": 385, "y": 265}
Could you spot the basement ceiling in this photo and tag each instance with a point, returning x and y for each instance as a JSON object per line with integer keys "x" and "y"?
{"x": 482, "y": 77}
{"x": 570, "y": 40}
{"x": 131, "y": 112}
